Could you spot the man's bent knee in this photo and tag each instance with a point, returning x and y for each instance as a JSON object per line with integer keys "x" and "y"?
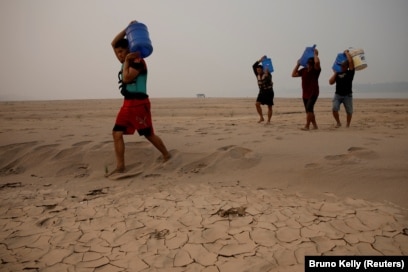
{"x": 117, "y": 135}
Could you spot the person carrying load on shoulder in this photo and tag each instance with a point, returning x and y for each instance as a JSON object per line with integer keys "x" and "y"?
{"x": 310, "y": 87}
{"x": 266, "y": 93}
{"x": 135, "y": 114}
{"x": 344, "y": 89}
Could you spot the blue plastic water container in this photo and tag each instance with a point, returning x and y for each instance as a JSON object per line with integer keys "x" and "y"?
{"x": 341, "y": 57}
{"x": 139, "y": 40}
{"x": 267, "y": 65}
{"x": 307, "y": 54}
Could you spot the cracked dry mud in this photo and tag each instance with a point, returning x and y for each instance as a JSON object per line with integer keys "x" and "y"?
{"x": 169, "y": 228}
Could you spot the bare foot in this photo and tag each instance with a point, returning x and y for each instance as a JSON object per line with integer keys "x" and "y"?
{"x": 166, "y": 157}
{"x": 315, "y": 128}
{"x": 117, "y": 170}
{"x": 305, "y": 128}
{"x": 338, "y": 125}
{"x": 261, "y": 120}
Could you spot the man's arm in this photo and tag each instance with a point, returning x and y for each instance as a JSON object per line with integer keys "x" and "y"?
{"x": 131, "y": 67}
{"x": 349, "y": 59}
{"x": 316, "y": 60}
{"x": 118, "y": 37}
{"x": 295, "y": 72}
{"x": 332, "y": 79}
{"x": 254, "y": 67}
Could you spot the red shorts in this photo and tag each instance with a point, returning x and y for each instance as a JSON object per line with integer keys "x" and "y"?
{"x": 135, "y": 115}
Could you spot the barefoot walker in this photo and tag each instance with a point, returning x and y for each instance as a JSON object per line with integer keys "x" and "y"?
{"x": 344, "y": 93}
{"x": 310, "y": 86}
{"x": 266, "y": 94}
{"x": 135, "y": 111}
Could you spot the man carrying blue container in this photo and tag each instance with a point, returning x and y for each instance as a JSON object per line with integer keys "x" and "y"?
{"x": 265, "y": 84}
{"x": 344, "y": 89}
{"x": 135, "y": 114}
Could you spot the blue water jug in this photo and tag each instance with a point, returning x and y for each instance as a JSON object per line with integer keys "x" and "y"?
{"x": 307, "y": 54}
{"x": 267, "y": 65}
{"x": 139, "y": 41}
{"x": 341, "y": 57}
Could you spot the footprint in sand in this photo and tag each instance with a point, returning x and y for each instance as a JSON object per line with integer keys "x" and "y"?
{"x": 354, "y": 155}
{"x": 67, "y": 152}
{"x": 363, "y": 153}
{"x": 143, "y": 144}
{"x": 312, "y": 165}
{"x": 102, "y": 144}
{"x": 131, "y": 171}
{"x": 336, "y": 157}
{"x": 50, "y": 147}
{"x": 81, "y": 143}
{"x": 77, "y": 170}
{"x": 227, "y": 157}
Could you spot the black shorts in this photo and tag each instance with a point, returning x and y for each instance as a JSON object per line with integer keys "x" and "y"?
{"x": 142, "y": 132}
{"x": 309, "y": 103}
{"x": 265, "y": 97}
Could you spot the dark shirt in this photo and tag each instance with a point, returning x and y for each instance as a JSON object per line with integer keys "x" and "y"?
{"x": 264, "y": 81}
{"x": 310, "y": 82}
{"x": 344, "y": 83}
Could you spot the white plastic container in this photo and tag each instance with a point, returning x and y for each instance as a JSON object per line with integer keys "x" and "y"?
{"x": 359, "y": 60}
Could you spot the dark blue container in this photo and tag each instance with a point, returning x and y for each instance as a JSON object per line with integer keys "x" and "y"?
{"x": 307, "y": 54}
{"x": 267, "y": 65}
{"x": 341, "y": 57}
{"x": 139, "y": 40}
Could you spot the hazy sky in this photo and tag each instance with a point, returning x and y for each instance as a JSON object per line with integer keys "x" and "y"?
{"x": 54, "y": 49}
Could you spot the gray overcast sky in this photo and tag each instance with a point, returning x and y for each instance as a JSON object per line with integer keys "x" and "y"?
{"x": 54, "y": 49}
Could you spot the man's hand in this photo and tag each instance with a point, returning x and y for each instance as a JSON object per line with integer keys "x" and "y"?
{"x": 135, "y": 57}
